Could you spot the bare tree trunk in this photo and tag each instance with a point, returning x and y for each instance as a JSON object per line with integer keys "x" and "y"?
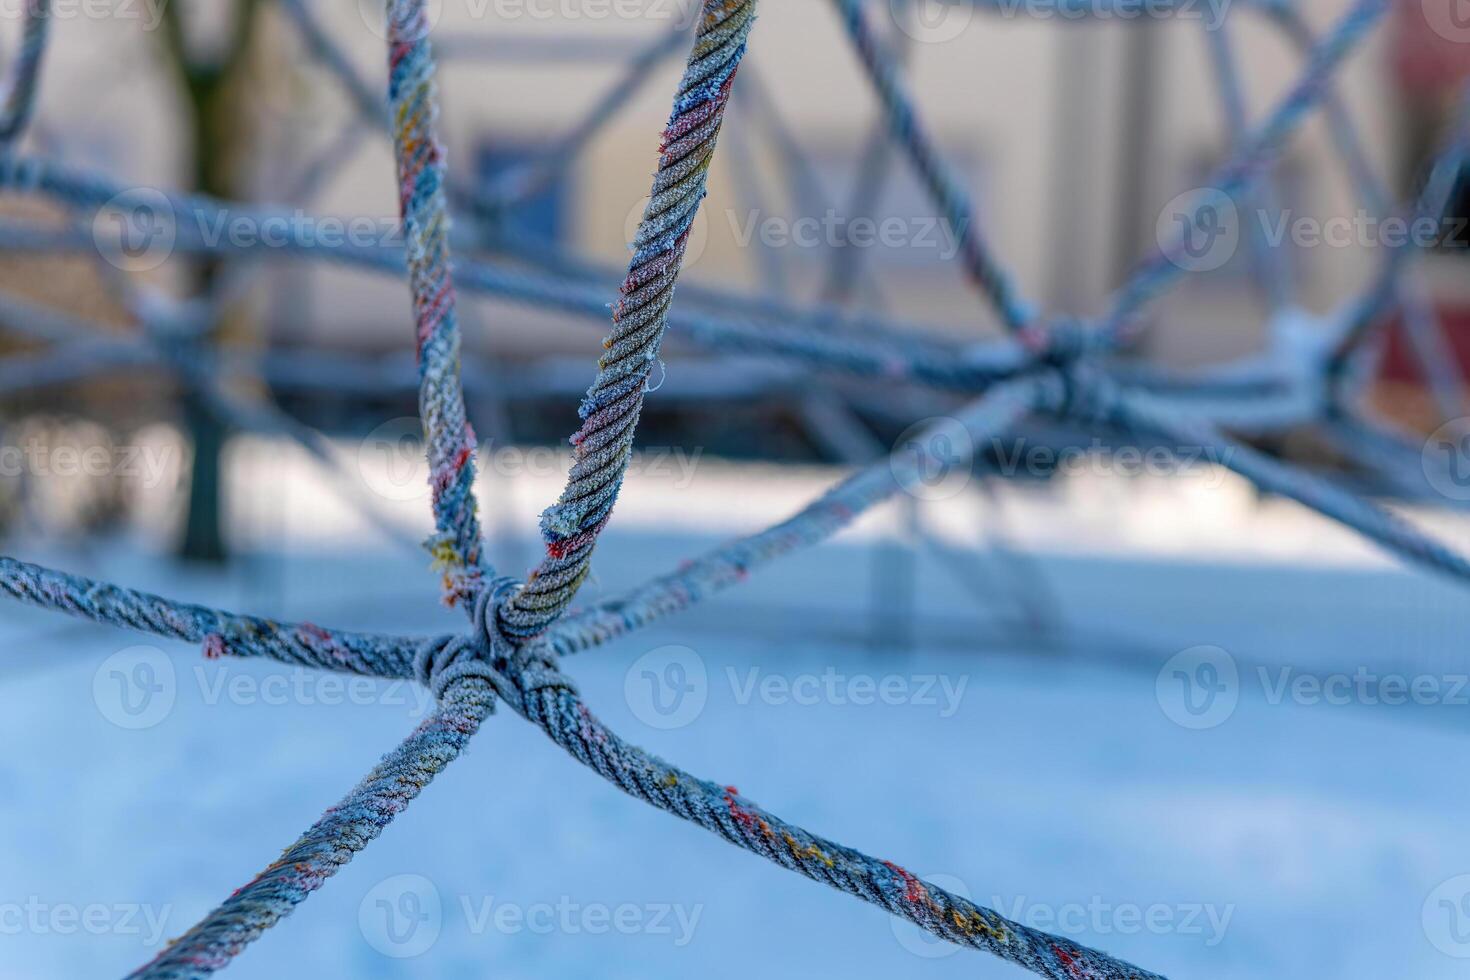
{"x": 215, "y": 131}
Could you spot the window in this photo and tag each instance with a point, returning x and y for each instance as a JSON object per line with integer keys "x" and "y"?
{"x": 543, "y": 214}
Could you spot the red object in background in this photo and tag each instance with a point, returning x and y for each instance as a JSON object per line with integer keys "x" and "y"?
{"x": 1431, "y": 45}
{"x": 1399, "y": 364}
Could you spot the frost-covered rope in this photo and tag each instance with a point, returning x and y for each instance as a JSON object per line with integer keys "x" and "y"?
{"x": 1272, "y": 266}
{"x": 18, "y": 98}
{"x": 222, "y": 633}
{"x": 510, "y": 653}
{"x": 949, "y": 196}
{"x": 332, "y": 841}
{"x": 1247, "y": 162}
{"x": 610, "y": 411}
{"x": 464, "y": 695}
{"x": 1422, "y": 326}
{"x": 725, "y": 812}
{"x": 878, "y": 349}
{"x": 451, "y": 441}
{"x": 1092, "y": 398}
{"x": 733, "y": 563}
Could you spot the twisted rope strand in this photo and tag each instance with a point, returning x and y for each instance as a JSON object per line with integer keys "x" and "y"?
{"x": 947, "y": 193}
{"x": 222, "y": 633}
{"x": 332, "y": 841}
{"x": 1135, "y": 412}
{"x": 732, "y": 564}
{"x": 562, "y": 715}
{"x": 499, "y": 658}
{"x": 451, "y": 440}
{"x": 603, "y": 446}
{"x": 1248, "y": 161}
{"x": 465, "y": 698}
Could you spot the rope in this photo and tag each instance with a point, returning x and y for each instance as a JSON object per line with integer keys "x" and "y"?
{"x": 726, "y": 813}
{"x": 1249, "y": 160}
{"x": 517, "y": 631}
{"x": 450, "y": 439}
{"x": 18, "y": 98}
{"x": 221, "y": 633}
{"x": 836, "y": 509}
{"x": 332, "y": 841}
{"x": 1427, "y": 341}
{"x": 1091, "y": 398}
{"x": 878, "y": 350}
{"x": 604, "y": 444}
{"x": 947, "y": 193}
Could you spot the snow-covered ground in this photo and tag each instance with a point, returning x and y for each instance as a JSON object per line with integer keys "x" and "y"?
{"x": 1193, "y": 769}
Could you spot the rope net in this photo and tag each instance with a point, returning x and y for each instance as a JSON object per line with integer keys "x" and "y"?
{"x": 517, "y": 631}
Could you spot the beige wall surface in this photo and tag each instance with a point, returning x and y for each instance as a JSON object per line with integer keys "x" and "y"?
{"x": 1034, "y": 114}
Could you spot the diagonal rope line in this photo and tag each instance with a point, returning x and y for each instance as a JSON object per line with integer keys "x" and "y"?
{"x": 451, "y": 440}
{"x": 18, "y": 97}
{"x": 1248, "y": 161}
{"x": 880, "y": 350}
{"x": 954, "y": 204}
{"x": 604, "y": 444}
{"x": 1097, "y": 401}
{"x": 726, "y": 813}
{"x": 332, "y": 841}
{"x": 836, "y": 509}
{"x": 222, "y": 633}
{"x": 465, "y": 700}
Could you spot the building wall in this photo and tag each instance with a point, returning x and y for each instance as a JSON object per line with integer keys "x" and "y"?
{"x": 1034, "y": 114}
